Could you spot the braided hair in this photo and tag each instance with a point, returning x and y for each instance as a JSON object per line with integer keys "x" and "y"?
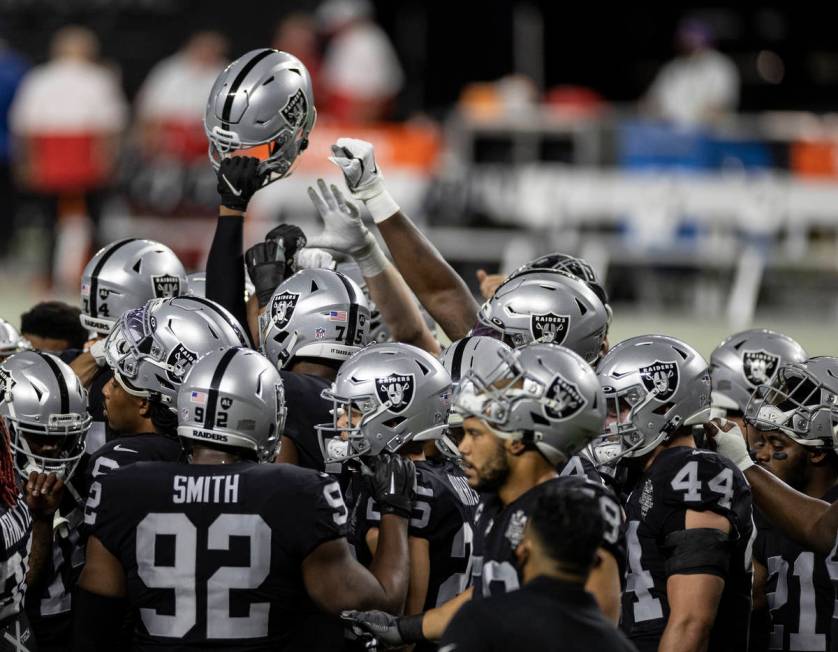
{"x": 8, "y": 477}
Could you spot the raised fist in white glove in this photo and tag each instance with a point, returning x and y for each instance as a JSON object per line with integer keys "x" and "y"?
{"x": 343, "y": 229}
{"x": 311, "y": 258}
{"x": 727, "y": 439}
{"x": 356, "y": 159}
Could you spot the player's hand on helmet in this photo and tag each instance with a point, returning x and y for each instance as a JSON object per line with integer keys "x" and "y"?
{"x": 272, "y": 261}
{"x": 727, "y": 439}
{"x": 343, "y": 229}
{"x": 43, "y": 493}
{"x": 381, "y": 626}
{"x": 356, "y": 159}
{"x": 238, "y": 180}
{"x": 391, "y": 480}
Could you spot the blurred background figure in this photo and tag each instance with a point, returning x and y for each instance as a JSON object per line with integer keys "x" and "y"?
{"x": 12, "y": 69}
{"x": 361, "y": 74}
{"x": 66, "y": 119}
{"x": 297, "y": 34}
{"x": 698, "y": 85}
{"x": 170, "y": 104}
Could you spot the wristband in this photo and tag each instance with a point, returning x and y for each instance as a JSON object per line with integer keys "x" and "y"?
{"x": 382, "y": 206}
{"x": 371, "y": 258}
{"x": 410, "y": 628}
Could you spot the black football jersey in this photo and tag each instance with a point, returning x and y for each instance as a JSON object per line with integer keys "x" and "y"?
{"x": 498, "y": 530}
{"x": 679, "y": 479}
{"x": 799, "y": 591}
{"x": 306, "y": 409}
{"x": 580, "y": 466}
{"x": 212, "y": 553}
{"x": 16, "y": 530}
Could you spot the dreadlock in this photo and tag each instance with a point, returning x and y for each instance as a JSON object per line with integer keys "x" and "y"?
{"x": 8, "y": 476}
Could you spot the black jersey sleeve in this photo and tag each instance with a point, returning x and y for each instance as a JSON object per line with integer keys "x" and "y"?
{"x": 110, "y": 508}
{"x": 316, "y": 509}
{"x": 225, "y": 267}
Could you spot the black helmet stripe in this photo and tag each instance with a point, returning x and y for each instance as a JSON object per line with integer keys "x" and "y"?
{"x": 218, "y": 374}
{"x": 234, "y": 87}
{"x": 457, "y": 361}
{"x": 214, "y": 306}
{"x": 94, "y": 275}
{"x": 354, "y": 300}
{"x": 63, "y": 392}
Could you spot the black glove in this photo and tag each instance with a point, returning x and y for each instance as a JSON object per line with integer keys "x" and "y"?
{"x": 290, "y": 237}
{"x": 238, "y": 179}
{"x": 389, "y": 631}
{"x": 270, "y": 262}
{"x": 391, "y": 480}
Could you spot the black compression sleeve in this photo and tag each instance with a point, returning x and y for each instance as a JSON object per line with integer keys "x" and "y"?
{"x": 225, "y": 268}
{"x": 97, "y": 621}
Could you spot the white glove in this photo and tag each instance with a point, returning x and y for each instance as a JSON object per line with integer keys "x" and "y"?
{"x": 356, "y": 159}
{"x": 729, "y": 442}
{"x": 344, "y": 231}
{"x": 311, "y": 258}
{"x": 97, "y": 350}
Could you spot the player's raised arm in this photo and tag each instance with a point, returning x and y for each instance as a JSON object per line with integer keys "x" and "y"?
{"x": 441, "y": 291}
{"x": 332, "y": 576}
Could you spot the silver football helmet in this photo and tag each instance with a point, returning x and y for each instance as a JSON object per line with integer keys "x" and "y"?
{"x": 233, "y": 398}
{"x": 10, "y": 340}
{"x": 801, "y": 401}
{"x": 548, "y": 306}
{"x": 386, "y": 395}
{"x": 543, "y": 393}
{"x": 316, "y": 313}
{"x": 153, "y": 347}
{"x": 44, "y": 408}
{"x": 747, "y": 360}
{"x": 262, "y": 105}
{"x": 654, "y": 385}
{"x": 124, "y": 275}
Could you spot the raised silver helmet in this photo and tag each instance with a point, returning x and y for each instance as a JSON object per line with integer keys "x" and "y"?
{"x": 261, "y": 105}
{"x": 153, "y": 347}
{"x": 746, "y": 360}
{"x": 801, "y": 401}
{"x": 542, "y": 393}
{"x": 548, "y": 306}
{"x": 384, "y": 396}
{"x": 11, "y": 340}
{"x": 654, "y": 385}
{"x": 44, "y": 407}
{"x": 233, "y": 398}
{"x": 124, "y": 275}
{"x": 316, "y": 313}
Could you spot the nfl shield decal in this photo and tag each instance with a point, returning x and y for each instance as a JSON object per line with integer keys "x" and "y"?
{"x": 165, "y": 285}
{"x": 566, "y": 400}
{"x": 282, "y": 307}
{"x": 549, "y": 327}
{"x": 397, "y": 389}
{"x": 181, "y": 359}
{"x": 760, "y": 366}
{"x": 295, "y": 109}
{"x": 660, "y": 378}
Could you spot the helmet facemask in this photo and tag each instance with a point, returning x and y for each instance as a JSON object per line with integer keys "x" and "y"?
{"x": 64, "y": 434}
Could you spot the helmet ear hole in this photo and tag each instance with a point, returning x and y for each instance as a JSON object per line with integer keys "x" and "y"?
{"x": 303, "y": 144}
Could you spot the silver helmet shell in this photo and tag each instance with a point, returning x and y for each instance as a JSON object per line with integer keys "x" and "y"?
{"x": 543, "y": 393}
{"x": 801, "y": 401}
{"x": 746, "y": 360}
{"x": 153, "y": 347}
{"x": 11, "y": 340}
{"x": 124, "y": 275}
{"x": 233, "y": 398}
{"x": 397, "y": 392}
{"x": 316, "y": 313}
{"x": 263, "y": 98}
{"x": 41, "y": 396}
{"x": 548, "y": 306}
{"x": 654, "y": 385}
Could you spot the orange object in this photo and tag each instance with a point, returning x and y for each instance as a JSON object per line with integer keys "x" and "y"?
{"x": 814, "y": 158}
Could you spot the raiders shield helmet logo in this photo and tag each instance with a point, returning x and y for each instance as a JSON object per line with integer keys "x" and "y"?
{"x": 282, "y": 307}
{"x": 660, "y": 378}
{"x": 565, "y": 399}
{"x": 295, "y": 109}
{"x": 549, "y": 327}
{"x": 397, "y": 389}
{"x": 226, "y": 402}
{"x": 165, "y": 285}
{"x": 760, "y": 366}
{"x": 6, "y": 384}
{"x": 181, "y": 359}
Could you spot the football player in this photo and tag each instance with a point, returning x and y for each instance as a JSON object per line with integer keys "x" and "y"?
{"x": 226, "y": 551}
{"x": 53, "y": 327}
{"x": 393, "y": 398}
{"x": 552, "y": 610}
{"x": 534, "y": 411}
{"x": 44, "y": 413}
{"x": 689, "y": 528}
{"x": 10, "y": 340}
